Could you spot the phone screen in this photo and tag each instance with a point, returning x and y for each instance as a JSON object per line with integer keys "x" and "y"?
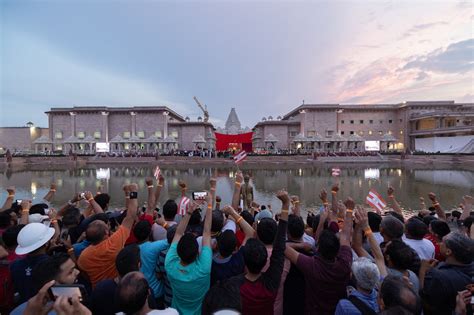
{"x": 199, "y": 195}
{"x": 68, "y": 291}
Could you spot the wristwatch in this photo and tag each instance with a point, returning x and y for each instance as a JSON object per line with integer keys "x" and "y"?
{"x": 133, "y": 195}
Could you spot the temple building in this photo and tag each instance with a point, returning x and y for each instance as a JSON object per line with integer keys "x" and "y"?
{"x": 233, "y": 137}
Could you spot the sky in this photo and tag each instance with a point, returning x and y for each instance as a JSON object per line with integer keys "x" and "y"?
{"x": 261, "y": 57}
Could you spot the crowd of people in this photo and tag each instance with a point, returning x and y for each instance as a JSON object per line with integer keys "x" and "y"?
{"x": 206, "y": 257}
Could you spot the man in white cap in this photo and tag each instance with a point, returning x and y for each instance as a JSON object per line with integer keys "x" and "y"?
{"x": 33, "y": 241}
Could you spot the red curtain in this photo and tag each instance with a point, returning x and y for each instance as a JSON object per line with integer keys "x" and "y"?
{"x": 227, "y": 142}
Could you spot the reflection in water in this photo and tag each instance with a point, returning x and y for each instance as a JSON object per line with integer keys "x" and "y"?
{"x": 410, "y": 184}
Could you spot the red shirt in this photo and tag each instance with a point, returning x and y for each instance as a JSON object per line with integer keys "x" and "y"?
{"x": 144, "y": 217}
{"x": 438, "y": 255}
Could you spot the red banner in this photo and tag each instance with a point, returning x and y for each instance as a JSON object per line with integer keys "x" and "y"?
{"x": 236, "y": 143}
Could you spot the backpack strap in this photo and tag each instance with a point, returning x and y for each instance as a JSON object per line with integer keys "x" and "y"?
{"x": 361, "y": 306}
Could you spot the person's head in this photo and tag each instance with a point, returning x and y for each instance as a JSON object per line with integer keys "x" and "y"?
{"x": 246, "y": 178}
{"x": 266, "y": 230}
{"x": 226, "y": 243}
{"x": 439, "y": 228}
{"x": 128, "y": 260}
{"x": 255, "y": 255}
{"x": 72, "y": 217}
{"x": 170, "y": 208}
{"x": 374, "y": 221}
{"x": 222, "y": 296}
{"x": 195, "y": 218}
{"x": 97, "y": 231}
{"x": 38, "y": 208}
{"x": 415, "y": 228}
{"x": 188, "y": 248}
{"x": 263, "y": 207}
{"x": 170, "y": 232}
{"x": 397, "y": 215}
{"x": 248, "y": 217}
{"x": 217, "y": 221}
{"x": 103, "y": 200}
{"x": 457, "y": 247}
{"x": 10, "y": 236}
{"x": 59, "y": 267}
{"x": 132, "y": 293}
{"x": 5, "y": 220}
{"x": 456, "y": 214}
{"x": 33, "y": 239}
{"x": 398, "y": 255}
{"x": 427, "y": 219}
{"x": 394, "y": 292}
{"x": 142, "y": 231}
{"x": 366, "y": 274}
{"x": 328, "y": 245}
{"x": 391, "y": 228}
{"x": 467, "y": 223}
{"x": 295, "y": 227}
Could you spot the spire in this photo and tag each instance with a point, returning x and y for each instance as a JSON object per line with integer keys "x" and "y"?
{"x": 232, "y": 125}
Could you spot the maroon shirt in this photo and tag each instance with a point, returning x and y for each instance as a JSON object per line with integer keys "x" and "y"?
{"x": 326, "y": 281}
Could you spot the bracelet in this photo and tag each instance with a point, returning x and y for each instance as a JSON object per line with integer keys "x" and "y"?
{"x": 25, "y": 211}
{"x": 349, "y": 211}
{"x": 435, "y": 204}
{"x": 237, "y": 183}
{"x": 11, "y": 196}
{"x": 54, "y": 221}
{"x": 159, "y": 185}
{"x": 127, "y": 197}
{"x": 367, "y": 231}
{"x": 70, "y": 251}
{"x": 52, "y": 190}
{"x": 239, "y": 219}
{"x": 212, "y": 189}
{"x": 333, "y": 192}
{"x": 296, "y": 202}
{"x": 209, "y": 207}
{"x": 151, "y": 186}
{"x": 326, "y": 203}
{"x": 165, "y": 225}
{"x": 284, "y": 210}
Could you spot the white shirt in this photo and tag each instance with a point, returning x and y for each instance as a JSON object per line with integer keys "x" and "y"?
{"x": 424, "y": 248}
{"x": 308, "y": 239}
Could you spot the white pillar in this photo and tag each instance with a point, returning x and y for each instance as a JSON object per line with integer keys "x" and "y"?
{"x": 165, "y": 126}
{"x": 105, "y": 116}
{"x": 134, "y": 122}
{"x": 73, "y": 123}
{"x": 303, "y": 120}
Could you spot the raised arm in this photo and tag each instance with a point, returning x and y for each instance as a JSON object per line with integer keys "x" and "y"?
{"x": 236, "y": 196}
{"x": 422, "y": 203}
{"x": 206, "y": 233}
{"x": 439, "y": 211}
{"x": 159, "y": 187}
{"x": 25, "y": 211}
{"x": 467, "y": 202}
{"x": 246, "y": 228}
{"x": 345, "y": 237}
{"x": 150, "y": 205}
{"x": 9, "y": 201}
{"x": 296, "y": 210}
{"x": 93, "y": 204}
{"x": 212, "y": 191}
{"x": 132, "y": 207}
{"x": 391, "y": 196}
{"x": 334, "y": 206}
{"x": 51, "y": 192}
{"x": 184, "y": 223}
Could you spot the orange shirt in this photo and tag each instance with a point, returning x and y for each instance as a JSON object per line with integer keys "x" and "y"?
{"x": 98, "y": 261}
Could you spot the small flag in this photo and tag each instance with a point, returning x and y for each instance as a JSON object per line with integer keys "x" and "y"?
{"x": 183, "y": 205}
{"x": 375, "y": 200}
{"x": 157, "y": 172}
{"x": 336, "y": 172}
{"x": 242, "y": 155}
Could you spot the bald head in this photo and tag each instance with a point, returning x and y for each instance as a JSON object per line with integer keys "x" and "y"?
{"x": 97, "y": 231}
{"x": 132, "y": 292}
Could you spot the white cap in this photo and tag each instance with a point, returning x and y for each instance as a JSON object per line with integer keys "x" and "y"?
{"x": 32, "y": 237}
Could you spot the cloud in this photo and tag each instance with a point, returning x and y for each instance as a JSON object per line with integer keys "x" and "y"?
{"x": 456, "y": 58}
{"x": 421, "y": 27}
{"x": 467, "y": 98}
{"x": 421, "y": 76}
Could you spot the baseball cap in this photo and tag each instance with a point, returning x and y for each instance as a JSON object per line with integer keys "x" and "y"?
{"x": 32, "y": 237}
{"x": 263, "y": 214}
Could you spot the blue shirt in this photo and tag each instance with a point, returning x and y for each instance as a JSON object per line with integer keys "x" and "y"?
{"x": 189, "y": 283}
{"x": 345, "y": 307}
{"x": 21, "y": 272}
{"x": 149, "y": 253}
{"x": 79, "y": 247}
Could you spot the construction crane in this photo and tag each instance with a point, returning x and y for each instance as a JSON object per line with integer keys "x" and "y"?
{"x": 204, "y": 109}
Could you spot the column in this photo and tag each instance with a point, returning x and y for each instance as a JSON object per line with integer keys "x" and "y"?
{"x": 303, "y": 121}
{"x": 105, "y": 116}
{"x": 165, "y": 126}
{"x": 134, "y": 122}
{"x": 73, "y": 123}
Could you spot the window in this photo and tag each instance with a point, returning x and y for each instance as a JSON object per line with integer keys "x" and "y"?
{"x": 389, "y": 121}
{"x": 370, "y": 132}
{"x": 342, "y": 121}
{"x": 59, "y": 147}
{"x": 352, "y": 122}
{"x": 126, "y": 146}
{"x": 97, "y": 135}
{"x": 174, "y": 134}
{"x": 361, "y": 121}
{"x": 58, "y": 135}
{"x": 380, "y": 133}
{"x": 401, "y": 132}
{"x": 158, "y": 133}
{"x": 329, "y": 133}
{"x": 141, "y": 134}
{"x": 126, "y": 134}
{"x": 81, "y": 134}
{"x": 311, "y": 134}
{"x": 342, "y": 133}
{"x": 371, "y": 121}
{"x": 381, "y": 121}
{"x": 352, "y": 132}
{"x": 293, "y": 133}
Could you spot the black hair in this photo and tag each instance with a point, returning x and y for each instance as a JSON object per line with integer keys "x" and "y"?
{"x": 222, "y": 296}
{"x": 226, "y": 243}
{"x": 217, "y": 221}
{"x": 255, "y": 255}
{"x": 132, "y": 293}
{"x": 170, "y": 232}
{"x": 72, "y": 217}
{"x": 374, "y": 221}
{"x": 328, "y": 245}
{"x": 10, "y": 235}
{"x": 456, "y": 214}
{"x": 393, "y": 292}
{"x": 48, "y": 269}
{"x": 103, "y": 200}
{"x": 266, "y": 230}
{"x": 248, "y": 217}
{"x": 400, "y": 254}
{"x": 5, "y": 220}
{"x": 295, "y": 226}
{"x": 310, "y": 220}
{"x": 188, "y": 248}
{"x": 440, "y": 228}
{"x": 195, "y": 218}
{"x": 128, "y": 259}
{"x": 38, "y": 208}
{"x": 397, "y": 215}
{"x": 461, "y": 246}
{"x": 415, "y": 228}
{"x": 263, "y": 207}
{"x": 170, "y": 208}
{"x": 467, "y": 223}
{"x": 392, "y": 227}
{"x": 427, "y": 219}
{"x": 142, "y": 230}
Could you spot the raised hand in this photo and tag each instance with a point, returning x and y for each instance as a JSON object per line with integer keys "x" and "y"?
{"x": 239, "y": 178}
{"x": 283, "y": 196}
{"x": 228, "y": 210}
{"x": 335, "y": 188}
{"x": 52, "y": 187}
{"x": 88, "y": 195}
{"x": 133, "y": 187}
{"x": 213, "y": 182}
{"x": 149, "y": 181}
{"x": 218, "y": 199}
{"x": 52, "y": 214}
{"x": 25, "y": 204}
{"x": 11, "y": 190}
{"x": 390, "y": 191}
{"x": 361, "y": 217}
{"x": 192, "y": 207}
{"x": 161, "y": 180}
{"x": 295, "y": 199}
{"x": 323, "y": 195}
{"x": 432, "y": 197}
{"x": 468, "y": 200}
{"x": 38, "y": 304}
{"x": 182, "y": 185}
{"x": 349, "y": 203}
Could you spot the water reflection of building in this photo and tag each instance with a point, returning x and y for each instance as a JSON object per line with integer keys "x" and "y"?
{"x": 426, "y": 126}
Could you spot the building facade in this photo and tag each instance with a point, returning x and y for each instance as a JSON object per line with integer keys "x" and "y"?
{"x": 443, "y": 126}
{"x": 141, "y": 129}
{"x": 20, "y": 139}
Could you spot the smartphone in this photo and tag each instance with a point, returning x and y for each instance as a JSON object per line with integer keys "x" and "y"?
{"x": 69, "y": 290}
{"x": 199, "y": 195}
{"x": 83, "y": 195}
{"x": 19, "y": 201}
{"x": 64, "y": 235}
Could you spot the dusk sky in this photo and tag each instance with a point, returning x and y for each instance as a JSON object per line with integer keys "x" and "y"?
{"x": 262, "y": 57}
